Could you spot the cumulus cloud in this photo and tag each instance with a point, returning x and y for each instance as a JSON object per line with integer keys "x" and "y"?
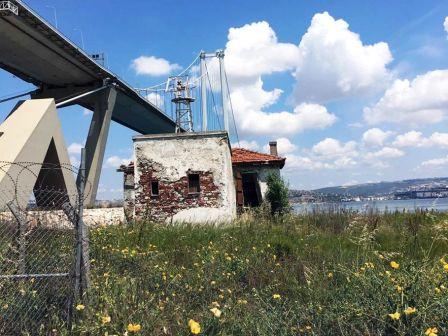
{"x": 74, "y": 161}
{"x": 153, "y": 66}
{"x": 86, "y": 112}
{"x": 115, "y": 162}
{"x": 385, "y": 153}
{"x": 284, "y": 146}
{"x": 416, "y": 139}
{"x": 334, "y": 63}
{"x": 304, "y": 117}
{"x": 410, "y": 139}
{"x": 435, "y": 163}
{"x": 375, "y": 137}
{"x": 420, "y": 101}
{"x": 445, "y": 24}
{"x": 156, "y": 99}
{"x": 253, "y": 51}
{"x": 251, "y": 145}
{"x": 331, "y": 148}
{"x": 75, "y": 148}
{"x": 297, "y": 162}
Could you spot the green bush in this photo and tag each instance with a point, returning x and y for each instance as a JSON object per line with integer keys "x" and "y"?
{"x": 277, "y": 194}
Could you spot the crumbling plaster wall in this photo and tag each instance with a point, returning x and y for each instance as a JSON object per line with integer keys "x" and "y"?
{"x": 168, "y": 159}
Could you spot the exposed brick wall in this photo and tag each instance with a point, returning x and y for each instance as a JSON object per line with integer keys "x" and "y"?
{"x": 173, "y": 195}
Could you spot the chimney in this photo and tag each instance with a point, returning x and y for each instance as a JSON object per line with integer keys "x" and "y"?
{"x": 273, "y": 148}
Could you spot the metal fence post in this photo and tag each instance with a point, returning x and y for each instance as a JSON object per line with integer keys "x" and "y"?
{"x": 85, "y": 266}
{"x": 21, "y": 236}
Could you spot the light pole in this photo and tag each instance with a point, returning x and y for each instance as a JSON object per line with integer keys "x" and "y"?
{"x": 55, "y": 15}
{"x": 82, "y": 37}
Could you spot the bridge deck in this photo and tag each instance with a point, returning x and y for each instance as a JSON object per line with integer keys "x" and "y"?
{"x": 37, "y": 53}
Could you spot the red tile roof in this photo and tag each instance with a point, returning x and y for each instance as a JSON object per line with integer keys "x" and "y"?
{"x": 241, "y": 156}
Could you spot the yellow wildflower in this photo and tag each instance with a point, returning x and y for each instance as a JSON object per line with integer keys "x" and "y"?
{"x": 431, "y": 332}
{"x": 213, "y": 283}
{"x": 399, "y": 288}
{"x": 80, "y": 307}
{"x": 410, "y": 310}
{"x": 437, "y": 290}
{"x": 215, "y": 304}
{"x": 105, "y": 319}
{"x": 242, "y": 301}
{"x": 394, "y": 265}
{"x": 195, "y": 327}
{"x": 395, "y": 316}
{"x": 134, "y": 327}
{"x": 276, "y": 296}
{"x": 442, "y": 261}
{"x": 330, "y": 275}
{"x": 445, "y": 267}
{"x": 216, "y": 312}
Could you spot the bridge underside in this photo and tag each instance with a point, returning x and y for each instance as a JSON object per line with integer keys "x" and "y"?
{"x": 34, "y": 51}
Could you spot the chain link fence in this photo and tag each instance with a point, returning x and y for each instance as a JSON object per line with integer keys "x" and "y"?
{"x": 43, "y": 247}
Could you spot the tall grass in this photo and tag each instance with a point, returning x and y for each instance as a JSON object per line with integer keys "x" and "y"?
{"x": 333, "y": 273}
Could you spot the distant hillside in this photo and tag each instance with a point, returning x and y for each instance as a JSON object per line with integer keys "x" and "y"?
{"x": 380, "y": 188}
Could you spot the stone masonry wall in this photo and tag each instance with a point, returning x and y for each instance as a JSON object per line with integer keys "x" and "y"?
{"x": 169, "y": 158}
{"x": 173, "y": 195}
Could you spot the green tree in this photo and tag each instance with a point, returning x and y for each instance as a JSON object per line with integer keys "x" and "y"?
{"x": 277, "y": 194}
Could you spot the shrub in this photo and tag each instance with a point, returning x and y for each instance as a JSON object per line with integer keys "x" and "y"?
{"x": 277, "y": 194}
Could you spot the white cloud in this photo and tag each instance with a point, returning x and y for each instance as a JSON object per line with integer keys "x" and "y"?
{"x": 115, "y": 162}
{"x": 385, "y": 153}
{"x": 74, "y": 161}
{"x": 86, "y": 112}
{"x": 296, "y": 162}
{"x": 75, "y": 148}
{"x": 410, "y": 139}
{"x": 423, "y": 100}
{"x": 253, "y": 51}
{"x": 284, "y": 146}
{"x": 331, "y": 148}
{"x": 435, "y": 163}
{"x": 334, "y": 63}
{"x": 304, "y": 117}
{"x": 416, "y": 139}
{"x": 153, "y": 66}
{"x": 251, "y": 145}
{"x": 445, "y": 24}
{"x": 375, "y": 137}
{"x": 439, "y": 139}
{"x": 156, "y": 99}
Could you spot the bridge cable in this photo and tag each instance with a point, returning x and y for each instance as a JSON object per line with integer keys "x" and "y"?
{"x": 231, "y": 107}
{"x": 211, "y": 91}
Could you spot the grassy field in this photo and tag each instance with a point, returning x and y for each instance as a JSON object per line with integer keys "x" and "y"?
{"x": 317, "y": 274}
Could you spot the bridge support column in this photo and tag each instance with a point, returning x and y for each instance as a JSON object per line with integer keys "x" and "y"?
{"x": 96, "y": 142}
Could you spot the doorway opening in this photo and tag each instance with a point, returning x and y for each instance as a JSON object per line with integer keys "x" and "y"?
{"x": 251, "y": 189}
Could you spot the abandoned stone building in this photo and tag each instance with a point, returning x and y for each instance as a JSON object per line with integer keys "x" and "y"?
{"x": 194, "y": 177}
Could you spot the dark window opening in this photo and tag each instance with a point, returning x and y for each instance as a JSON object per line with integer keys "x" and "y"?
{"x": 1, "y": 133}
{"x": 193, "y": 184}
{"x": 154, "y": 188}
{"x": 251, "y": 189}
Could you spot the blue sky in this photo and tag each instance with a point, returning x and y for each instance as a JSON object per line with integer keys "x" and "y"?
{"x": 355, "y": 91}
